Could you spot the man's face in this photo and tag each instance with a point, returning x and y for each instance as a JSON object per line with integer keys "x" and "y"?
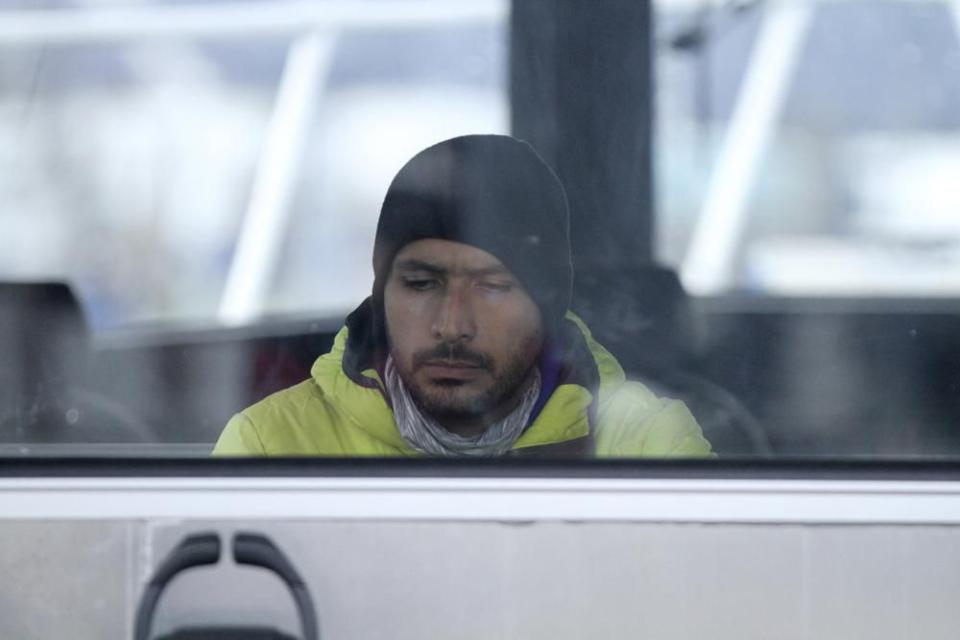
{"x": 464, "y": 334}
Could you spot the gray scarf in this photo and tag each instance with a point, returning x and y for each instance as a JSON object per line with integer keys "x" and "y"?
{"x": 426, "y": 435}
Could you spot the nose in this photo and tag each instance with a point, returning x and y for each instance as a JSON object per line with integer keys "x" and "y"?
{"x": 453, "y": 321}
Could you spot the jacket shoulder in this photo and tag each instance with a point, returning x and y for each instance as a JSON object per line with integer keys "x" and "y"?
{"x": 288, "y": 422}
{"x": 634, "y": 422}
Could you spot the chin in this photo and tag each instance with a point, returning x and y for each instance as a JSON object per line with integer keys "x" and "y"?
{"x": 442, "y": 402}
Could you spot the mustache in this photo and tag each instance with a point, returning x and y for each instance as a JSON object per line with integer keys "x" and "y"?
{"x": 453, "y": 352}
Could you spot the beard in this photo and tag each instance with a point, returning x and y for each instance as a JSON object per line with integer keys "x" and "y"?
{"x": 451, "y": 400}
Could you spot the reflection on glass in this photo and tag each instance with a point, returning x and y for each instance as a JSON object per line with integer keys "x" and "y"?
{"x": 467, "y": 346}
{"x": 208, "y": 178}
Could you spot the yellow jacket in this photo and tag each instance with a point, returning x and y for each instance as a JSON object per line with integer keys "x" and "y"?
{"x": 331, "y": 415}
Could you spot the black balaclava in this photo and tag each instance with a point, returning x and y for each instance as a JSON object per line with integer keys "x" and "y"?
{"x": 493, "y": 192}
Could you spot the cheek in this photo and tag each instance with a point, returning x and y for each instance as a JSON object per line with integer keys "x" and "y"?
{"x": 401, "y": 319}
{"x": 519, "y": 334}
{"x": 528, "y": 341}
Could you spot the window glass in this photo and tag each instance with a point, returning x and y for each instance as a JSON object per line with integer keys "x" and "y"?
{"x": 139, "y": 159}
{"x": 760, "y": 196}
{"x": 818, "y": 140}
{"x": 807, "y": 157}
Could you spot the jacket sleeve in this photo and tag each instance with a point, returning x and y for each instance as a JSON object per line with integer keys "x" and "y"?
{"x": 639, "y": 424}
{"x": 673, "y": 431}
{"x": 239, "y": 438}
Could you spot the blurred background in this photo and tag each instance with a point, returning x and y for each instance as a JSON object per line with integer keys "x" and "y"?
{"x": 206, "y": 177}
{"x": 143, "y": 143}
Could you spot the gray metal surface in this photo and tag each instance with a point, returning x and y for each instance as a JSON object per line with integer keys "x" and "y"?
{"x": 501, "y": 580}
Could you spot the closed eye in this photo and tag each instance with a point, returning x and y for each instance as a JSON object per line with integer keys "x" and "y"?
{"x": 496, "y": 286}
{"x": 420, "y": 284}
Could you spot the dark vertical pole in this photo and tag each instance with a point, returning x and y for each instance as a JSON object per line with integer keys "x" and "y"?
{"x": 581, "y": 93}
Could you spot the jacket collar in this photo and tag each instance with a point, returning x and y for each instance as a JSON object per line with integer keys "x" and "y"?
{"x": 349, "y": 374}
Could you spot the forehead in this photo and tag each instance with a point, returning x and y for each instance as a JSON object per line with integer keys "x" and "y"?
{"x": 447, "y": 255}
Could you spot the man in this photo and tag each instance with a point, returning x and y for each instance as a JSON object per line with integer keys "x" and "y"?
{"x": 466, "y": 346}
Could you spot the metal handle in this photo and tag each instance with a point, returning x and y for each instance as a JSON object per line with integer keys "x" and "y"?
{"x": 194, "y": 551}
{"x": 254, "y": 549}
{"x": 249, "y": 549}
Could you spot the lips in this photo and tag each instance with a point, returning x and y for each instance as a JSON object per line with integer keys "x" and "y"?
{"x": 451, "y": 369}
{"x": 452, "y": 364}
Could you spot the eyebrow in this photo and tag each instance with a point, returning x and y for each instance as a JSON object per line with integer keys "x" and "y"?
{"x": 412, "y": 264}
